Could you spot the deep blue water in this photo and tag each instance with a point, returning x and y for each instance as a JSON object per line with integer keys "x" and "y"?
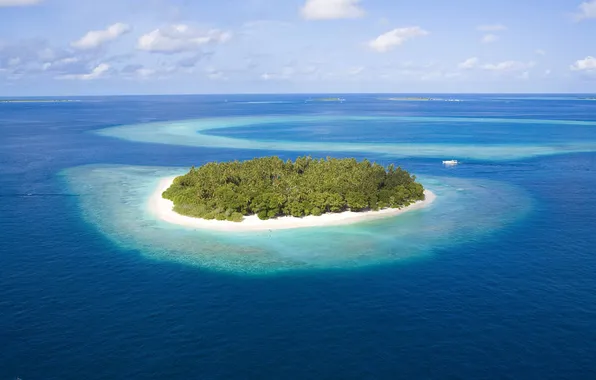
{"x": 518, "y": 303}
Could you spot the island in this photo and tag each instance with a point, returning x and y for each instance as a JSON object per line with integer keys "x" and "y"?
{"x": 24, "y": 100}
{"x": 419, "y": 99}
{"x": 269, "y": 193}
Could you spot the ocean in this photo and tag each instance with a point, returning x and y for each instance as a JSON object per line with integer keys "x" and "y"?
{"x": 494, "y": 280}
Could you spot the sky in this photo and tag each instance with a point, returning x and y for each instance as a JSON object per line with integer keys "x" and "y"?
{"x": 118, "y": 47}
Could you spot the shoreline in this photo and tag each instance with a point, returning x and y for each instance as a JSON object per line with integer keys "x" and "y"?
{"x": 163, "y": 209}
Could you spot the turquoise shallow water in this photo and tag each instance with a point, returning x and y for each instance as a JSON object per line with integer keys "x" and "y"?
{"x": 196, "y": 133}
{"x": 114, "y": 199}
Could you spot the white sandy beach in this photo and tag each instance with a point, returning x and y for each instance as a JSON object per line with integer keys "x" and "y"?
{"x": 163, "y": 209}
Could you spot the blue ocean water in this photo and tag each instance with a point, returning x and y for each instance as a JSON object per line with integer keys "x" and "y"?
{"x": 495, "y": 281}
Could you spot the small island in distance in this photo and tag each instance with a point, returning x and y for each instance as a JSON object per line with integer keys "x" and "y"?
{"x": 418, "y": 99}
{"x": 24, "y": 100}
{"x": 271, "y": 188}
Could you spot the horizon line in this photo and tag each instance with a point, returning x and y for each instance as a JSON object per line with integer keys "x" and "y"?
{"x": 298, "y": 93}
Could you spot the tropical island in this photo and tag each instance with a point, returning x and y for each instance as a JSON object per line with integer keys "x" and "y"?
{"x": 269, "y": 189}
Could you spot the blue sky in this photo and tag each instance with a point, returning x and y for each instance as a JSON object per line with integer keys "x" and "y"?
{"x": 74, "y": 47}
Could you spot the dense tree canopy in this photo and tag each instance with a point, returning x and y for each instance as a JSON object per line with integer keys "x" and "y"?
{"x": 271, "y": 187}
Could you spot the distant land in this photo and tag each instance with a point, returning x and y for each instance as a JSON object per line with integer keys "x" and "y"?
{"x": 38, "y": 100}
{"x": 418, "y": 99}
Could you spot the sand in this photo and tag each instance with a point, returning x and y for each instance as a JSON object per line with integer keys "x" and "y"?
{"x": 163, "y": 209}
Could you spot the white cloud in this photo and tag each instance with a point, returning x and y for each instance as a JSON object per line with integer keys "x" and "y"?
{"x": 395, "y": 37}
{"x": 547, "y": 72}
{"x": 587, "y": 10}
{"x": 141, "y": 72}
{"x": 469, "y": 63}
{"x": 96, "y": 38}
{"x": 507, "y": 66}
{"x": 179, "y": 38}
{"x": 540, "y": 52}
{"x": 145, "y": 72}
{"x": 492, "y": 28}
{"x": 60, "y": 64}
{"x": 18, "y": 3}
{"x": 587, "y": 64}
{"x": 97, "y": 72}
{"x": 488, "y": 38}
{"x": 137, "y": 71}
{"x": 331, "y": 9}
{"x": 38, "y": 57}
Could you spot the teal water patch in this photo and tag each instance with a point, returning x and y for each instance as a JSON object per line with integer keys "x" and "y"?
{"x": 114, "y": 199}
{"x": 188, "y": 133}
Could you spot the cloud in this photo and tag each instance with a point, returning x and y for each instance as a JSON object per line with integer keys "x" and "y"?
{"x": 395, "y": 37}
{"x": 131, "y": 69}
{"x": 469, "y": 63}
{"x": 96, "y": 38}
{"x": 68, "y": 64}
{"x": 137, "y": 71}
{"x": 97, "y": 72}
{"x": 540, "y": 52}
{"x": 489, "y": 38}
{"x": 587, "y": 10}
{"x": 331, "y": 9}
{"x": 18, "y": 3}
{"x": 491, "y": 28}
{"x": 180, "y": 38}
{"x": 507, "y": 66}
{"x": 587, "y": 64}
{"x": 190, "y": 62}
{"x": 36, "y": 57}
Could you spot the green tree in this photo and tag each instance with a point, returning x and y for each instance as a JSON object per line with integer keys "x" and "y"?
{"x": 270, "y": 187}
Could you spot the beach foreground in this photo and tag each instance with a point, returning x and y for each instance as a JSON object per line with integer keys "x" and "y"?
{"x": 163, "y": 209}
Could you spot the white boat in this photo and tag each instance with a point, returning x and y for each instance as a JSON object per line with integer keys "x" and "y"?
{"x": 450, "y": 162}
